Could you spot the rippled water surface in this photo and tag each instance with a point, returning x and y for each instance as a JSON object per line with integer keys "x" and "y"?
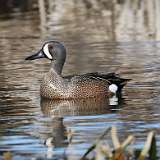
{"x": 26, "y": 121}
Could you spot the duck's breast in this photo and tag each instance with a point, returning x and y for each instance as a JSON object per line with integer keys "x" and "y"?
{"x": 52, "y": 86}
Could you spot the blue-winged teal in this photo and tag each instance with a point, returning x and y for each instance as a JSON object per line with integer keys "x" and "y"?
{"x": 55, "y": 86}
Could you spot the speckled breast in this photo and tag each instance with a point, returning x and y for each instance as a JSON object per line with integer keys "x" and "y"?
{"x": 52, "y": 86}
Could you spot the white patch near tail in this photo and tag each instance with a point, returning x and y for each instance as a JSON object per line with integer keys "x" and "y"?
{"x": 46, "y": 51}
{"x": 113, "y": 88}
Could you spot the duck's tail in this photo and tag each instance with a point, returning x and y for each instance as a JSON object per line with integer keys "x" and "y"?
{"x": 123, "y": 82}
{"x": 114, "y": 79}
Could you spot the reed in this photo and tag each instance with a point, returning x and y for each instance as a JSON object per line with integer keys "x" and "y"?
{"x": 120, "y": 151}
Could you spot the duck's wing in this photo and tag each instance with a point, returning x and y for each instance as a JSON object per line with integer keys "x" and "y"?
{"x": 110, "y": 78}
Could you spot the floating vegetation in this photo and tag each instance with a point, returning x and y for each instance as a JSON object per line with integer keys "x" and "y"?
{"x": 122, "y": 151}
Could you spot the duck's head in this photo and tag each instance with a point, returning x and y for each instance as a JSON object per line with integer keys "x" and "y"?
{"x": 52, "y": 50}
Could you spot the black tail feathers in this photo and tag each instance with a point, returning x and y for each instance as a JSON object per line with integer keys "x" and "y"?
{"x": 120, "y": 82}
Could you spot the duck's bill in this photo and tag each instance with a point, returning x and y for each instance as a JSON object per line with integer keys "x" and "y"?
{"x": 38, "y": 55}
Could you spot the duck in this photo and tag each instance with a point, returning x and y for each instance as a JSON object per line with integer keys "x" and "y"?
{"x": 56, "y": 86}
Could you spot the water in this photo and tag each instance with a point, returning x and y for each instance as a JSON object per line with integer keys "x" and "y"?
{"x": 26, "y": 121}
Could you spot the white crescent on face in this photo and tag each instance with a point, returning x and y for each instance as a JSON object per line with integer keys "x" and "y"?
{"x": 46, "y": 51}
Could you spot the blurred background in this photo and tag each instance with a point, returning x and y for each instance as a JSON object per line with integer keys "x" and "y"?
{"x": 117, "y": 20}
{"x": 119, "y": 36}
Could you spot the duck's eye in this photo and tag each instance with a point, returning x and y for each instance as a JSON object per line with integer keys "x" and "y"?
{"x": 50, "y": 47}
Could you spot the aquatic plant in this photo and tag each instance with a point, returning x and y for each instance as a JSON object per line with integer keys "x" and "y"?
{"x": 122, "y": 151}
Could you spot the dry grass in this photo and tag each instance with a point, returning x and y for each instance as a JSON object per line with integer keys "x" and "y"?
{"x": 121, "y": 151}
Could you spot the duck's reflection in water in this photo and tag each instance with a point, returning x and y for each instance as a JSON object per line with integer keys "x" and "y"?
{"x": 88, "y": 106}
{"x": 57, "y": 138}
{"x": 57, "y": 109}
